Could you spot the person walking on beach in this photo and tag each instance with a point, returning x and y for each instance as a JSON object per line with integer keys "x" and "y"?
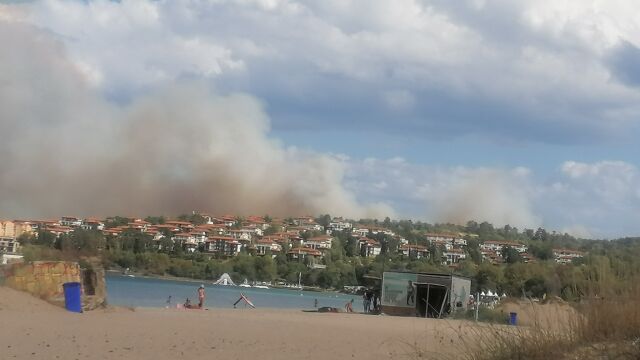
{"x": 369, "y": 295}
{"x": 201, "y": 296}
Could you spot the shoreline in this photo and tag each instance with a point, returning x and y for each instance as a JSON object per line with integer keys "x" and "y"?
{"x": 208, "y": 282}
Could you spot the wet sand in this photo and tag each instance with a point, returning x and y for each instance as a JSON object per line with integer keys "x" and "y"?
{"x": 33, "y": 329}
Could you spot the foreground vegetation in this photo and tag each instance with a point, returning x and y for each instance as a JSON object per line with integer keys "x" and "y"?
{"x": 602, "y": 328}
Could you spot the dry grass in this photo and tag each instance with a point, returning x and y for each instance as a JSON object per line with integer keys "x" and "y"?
{"x": 601, "y": 328}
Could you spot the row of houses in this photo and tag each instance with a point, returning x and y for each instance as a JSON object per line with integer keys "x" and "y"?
{"x": 228, "y": 235}
{"x": 492, "y": 252}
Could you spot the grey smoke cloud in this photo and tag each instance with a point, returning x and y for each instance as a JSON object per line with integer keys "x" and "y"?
{"x": 497, "y": 196}
{"x": 66, "y": 150}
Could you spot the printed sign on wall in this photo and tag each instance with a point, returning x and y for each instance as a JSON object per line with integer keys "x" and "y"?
{"x": 399, "y": 289}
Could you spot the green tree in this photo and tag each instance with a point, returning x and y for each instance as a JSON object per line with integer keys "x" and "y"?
{"x": 324, "y": 220}
{"x": 511, "y": 255}
{"x": 265, "y": 268}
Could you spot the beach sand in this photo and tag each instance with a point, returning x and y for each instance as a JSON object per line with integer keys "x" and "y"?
{"x": 33, "y": 329}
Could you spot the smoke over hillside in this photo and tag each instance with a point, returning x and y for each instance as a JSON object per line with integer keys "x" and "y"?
{"x": 66, "y": 150}
{"x": 497, "y": 196}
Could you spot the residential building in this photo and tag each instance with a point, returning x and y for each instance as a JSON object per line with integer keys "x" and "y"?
{"x": 70, "y": 221}
{"x": 566, "y": 256}
{"x": 9, "y": 245}
{"x": 453, "y": 256}
{"x": 365, "y": 230}
{"x": 414, "y": 251}
{"x": 445, "y": 244}
{"x": 258, "y": 222}
{"x": 491, "y": 256}
{"x": 304, "y": 220}
{"x": 187, "y": 240}
{"x": 92, "y": 224}
{"x": 223, "y": 245}
{"x": 338, "y": 224}
{"x": 226, "y": 220}
{"x": 265, "y": 246}
{"x": 182, "y": 225}
{"x": 303, "y": 253}
{"x": 369, "y": 247}
{"x": 322, "y": 242}
{"x": 497, "y": 246}
{"x": 244, "y": 235}
{"x": 58, "y": 230}
{"x": 454, "y": 239}
{"x": 14, "y": 228}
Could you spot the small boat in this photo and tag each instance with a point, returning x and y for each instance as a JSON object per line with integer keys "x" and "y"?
{"x": 260, "y": 286}
{"x": 245, "y": 284}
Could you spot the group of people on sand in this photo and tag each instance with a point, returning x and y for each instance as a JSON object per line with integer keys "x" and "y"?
{"x": 370, "y": 302}
{"x": 187, "y": 303}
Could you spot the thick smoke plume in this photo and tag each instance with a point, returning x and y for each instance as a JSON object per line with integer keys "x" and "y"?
{"x": 66, "y": 150}
{"x": 499, "y": 197}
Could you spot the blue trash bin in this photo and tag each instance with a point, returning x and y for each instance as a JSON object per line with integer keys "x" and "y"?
{"x": 513, "y": 318}
{"x": 72, "y": 297}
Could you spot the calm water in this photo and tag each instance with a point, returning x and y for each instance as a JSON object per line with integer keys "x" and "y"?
{"x": 142, "y": 292}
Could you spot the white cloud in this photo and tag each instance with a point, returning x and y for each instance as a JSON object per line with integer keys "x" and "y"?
{"x": 527, "y": 64}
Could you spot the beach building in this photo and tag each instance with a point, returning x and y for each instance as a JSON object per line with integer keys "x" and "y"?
{"x": 424, "y": 294}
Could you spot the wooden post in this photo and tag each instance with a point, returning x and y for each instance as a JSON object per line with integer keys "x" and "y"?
{"x": 477, "y": 305}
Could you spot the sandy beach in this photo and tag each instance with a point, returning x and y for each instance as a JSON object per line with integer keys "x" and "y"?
{"x": 34, "y": 329}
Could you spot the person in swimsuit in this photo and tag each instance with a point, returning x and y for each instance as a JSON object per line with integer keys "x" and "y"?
{"x": 349, "y": 306}
{"x": 201, "y": 296}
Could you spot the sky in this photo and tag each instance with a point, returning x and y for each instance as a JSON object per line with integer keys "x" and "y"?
{"x": 523, "y": 113}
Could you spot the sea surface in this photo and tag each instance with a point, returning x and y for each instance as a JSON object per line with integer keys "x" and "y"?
{"x": 148, "y": 292}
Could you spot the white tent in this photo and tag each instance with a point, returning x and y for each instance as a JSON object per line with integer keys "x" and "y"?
{"x": 225, "y": 279}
